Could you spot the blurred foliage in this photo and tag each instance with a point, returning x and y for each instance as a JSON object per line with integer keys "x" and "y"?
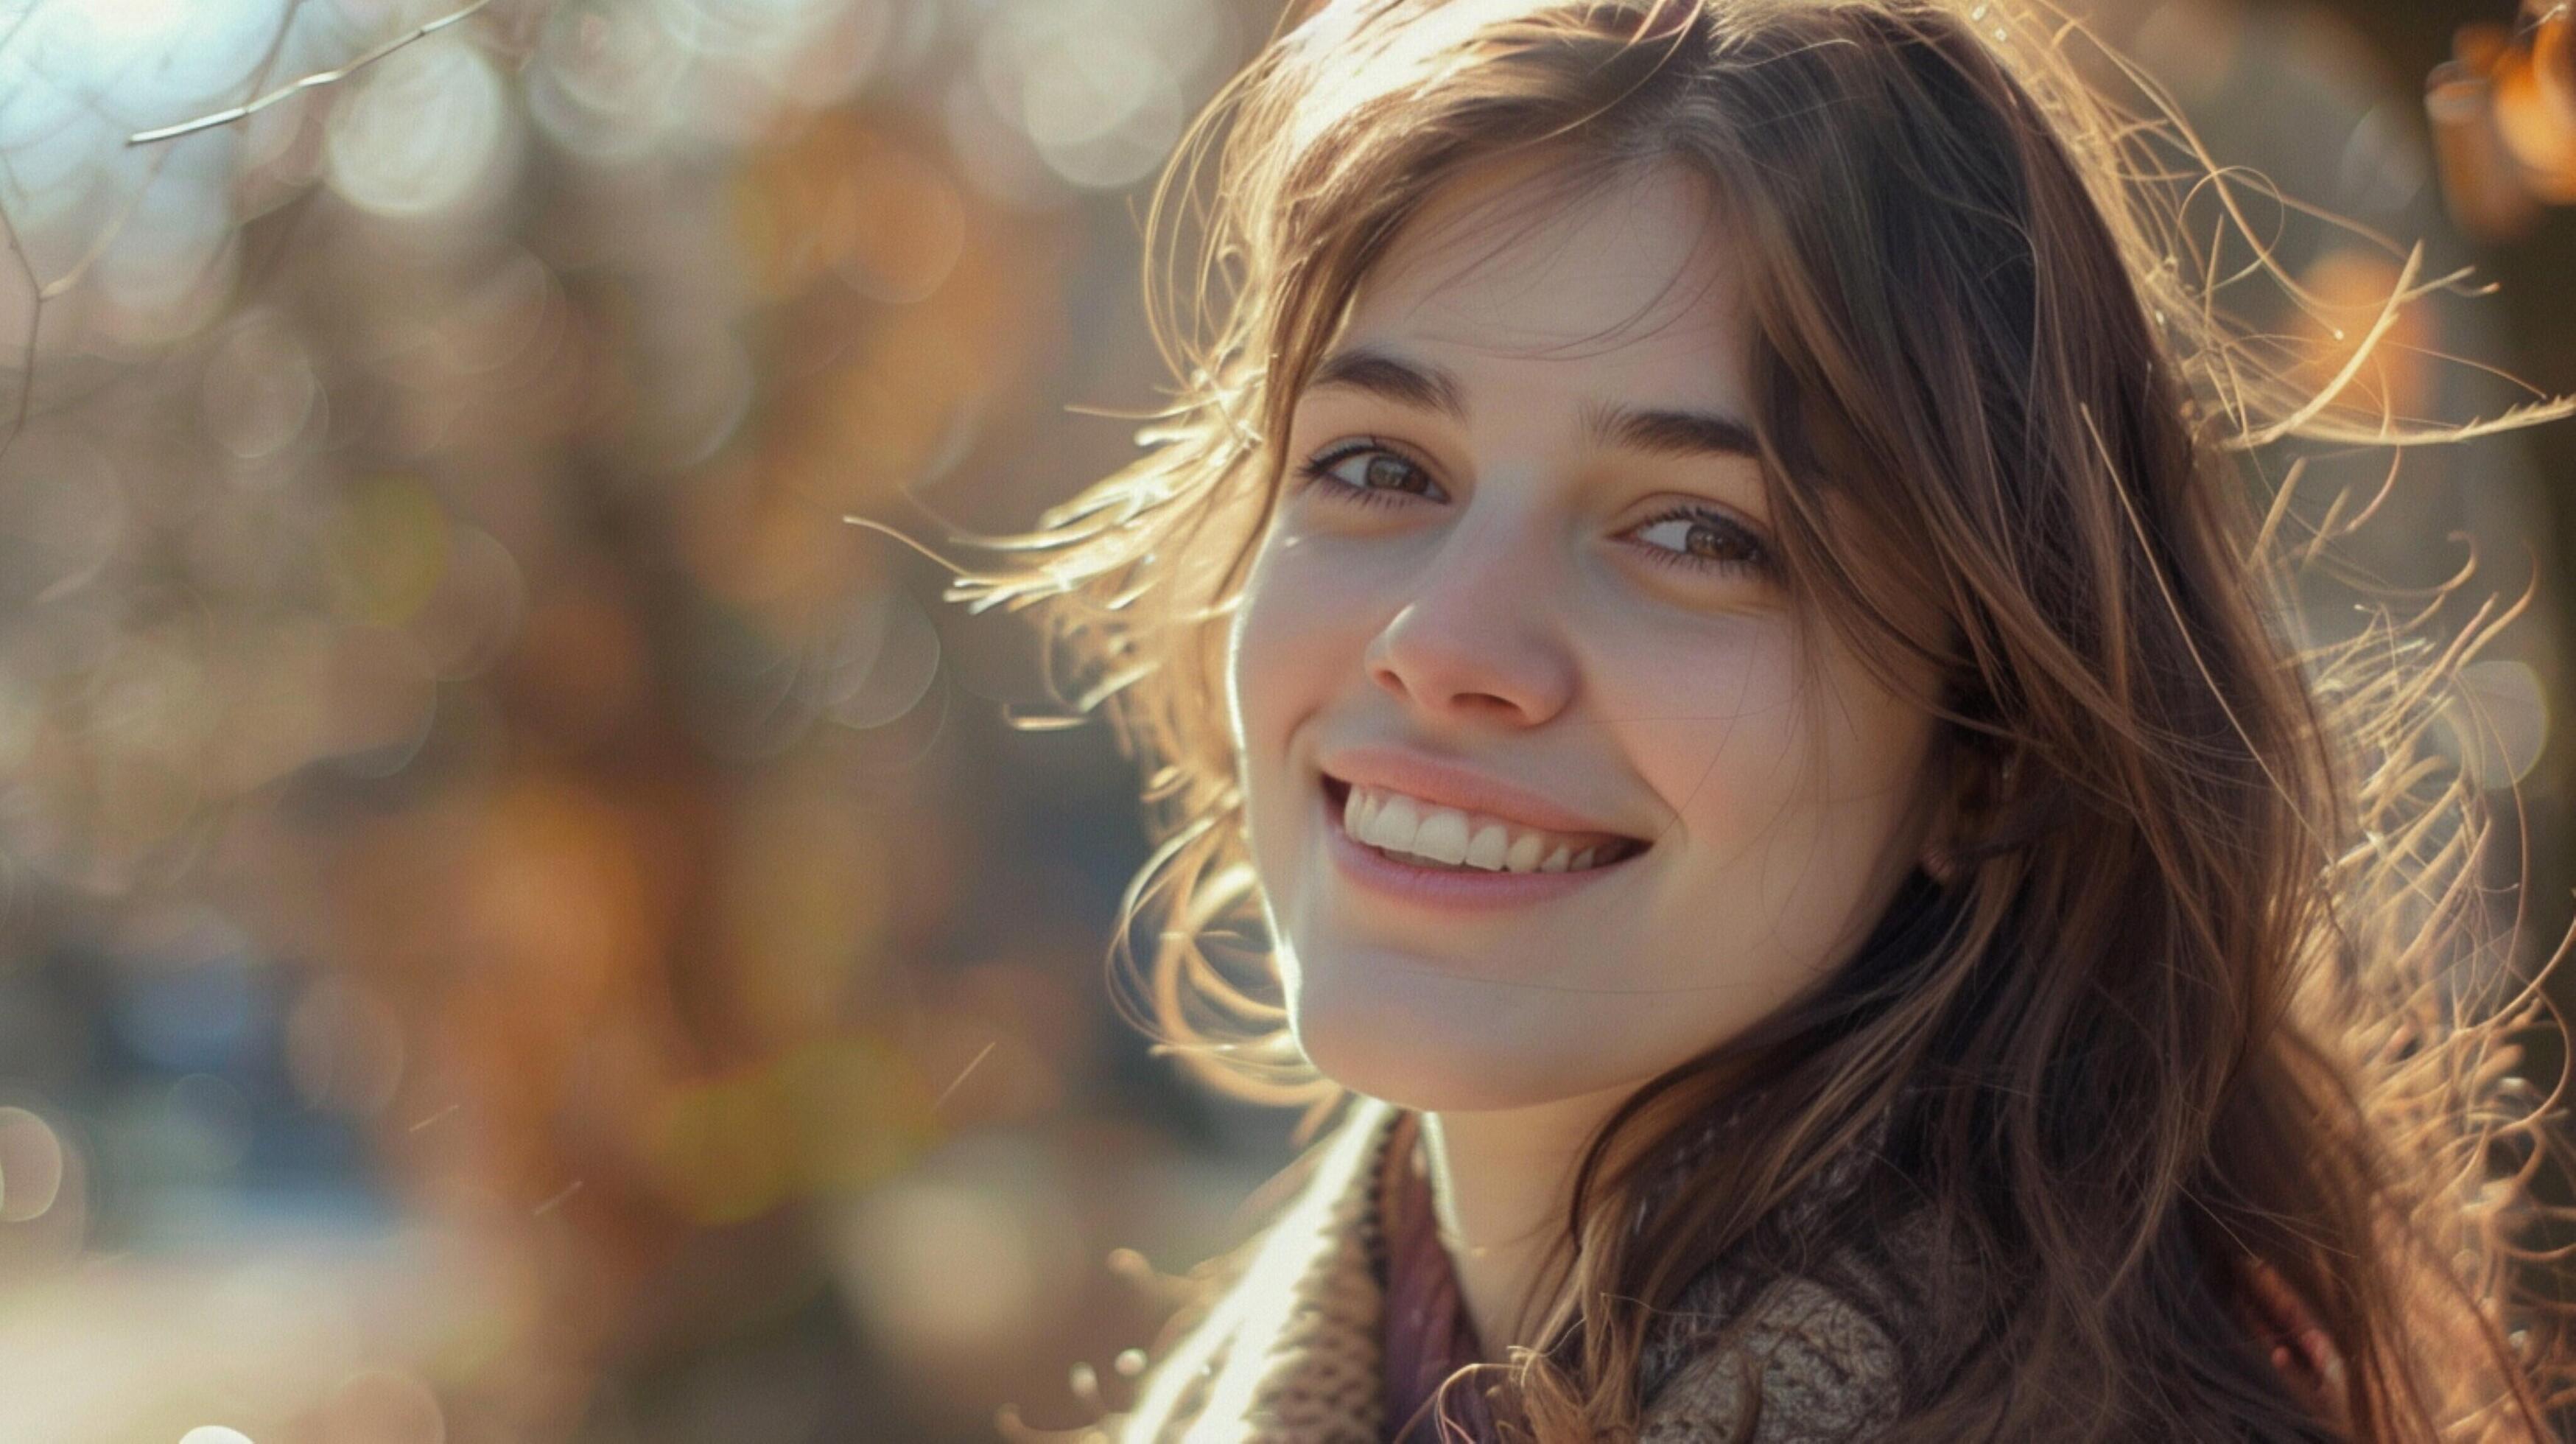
{"x": 503, "y": 886}
{"x": 2503, "y": 110}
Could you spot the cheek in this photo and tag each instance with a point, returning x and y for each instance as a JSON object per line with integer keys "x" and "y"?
{"x": 1790, "y": 789}
{"x": 1292, "y": 636}
{"x": 1710, "y": 722}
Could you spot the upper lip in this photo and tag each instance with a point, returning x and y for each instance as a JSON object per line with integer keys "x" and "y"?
{"x": 1451, "y": 785}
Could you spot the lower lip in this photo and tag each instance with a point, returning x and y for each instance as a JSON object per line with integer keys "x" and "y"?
{"x": 1453, "y": 889}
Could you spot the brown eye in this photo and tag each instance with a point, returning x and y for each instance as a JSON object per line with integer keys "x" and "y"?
{"x": 1380, "y": 478}
{"x": 1703, "y": 539}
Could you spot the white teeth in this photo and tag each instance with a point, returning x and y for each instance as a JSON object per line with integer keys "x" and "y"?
{"x": 1394, "y": 825}
{"x": 1398, "y": 824}
{"x": 1442, "y": 836}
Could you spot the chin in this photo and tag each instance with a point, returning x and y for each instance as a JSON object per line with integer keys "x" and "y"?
{"x": 1423, "y": 1043}
{"x": 1398, "y": 1069}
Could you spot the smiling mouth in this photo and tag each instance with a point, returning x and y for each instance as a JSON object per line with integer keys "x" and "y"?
{"x": 1600, "y": 855}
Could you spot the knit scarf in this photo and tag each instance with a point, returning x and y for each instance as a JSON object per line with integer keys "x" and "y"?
{"x": 1428, "y": 1334}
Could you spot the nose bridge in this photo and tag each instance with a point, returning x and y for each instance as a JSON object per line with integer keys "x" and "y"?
{"x": 1481, "y": 627}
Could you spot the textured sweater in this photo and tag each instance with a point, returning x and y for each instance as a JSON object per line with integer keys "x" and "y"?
{"x": 1290, "y": 1349}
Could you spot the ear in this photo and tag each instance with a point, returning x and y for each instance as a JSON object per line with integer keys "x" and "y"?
{"x": 1943, "y": 803}
{"x": 1970, "y": 783}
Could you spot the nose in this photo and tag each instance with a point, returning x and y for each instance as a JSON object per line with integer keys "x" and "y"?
{"x": 1479, "y": 639}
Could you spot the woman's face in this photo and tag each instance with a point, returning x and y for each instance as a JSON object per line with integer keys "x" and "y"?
{"x": 1517, "y": 594}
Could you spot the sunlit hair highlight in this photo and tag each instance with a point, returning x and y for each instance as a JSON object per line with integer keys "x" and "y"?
{"x": 2214, "y": 987}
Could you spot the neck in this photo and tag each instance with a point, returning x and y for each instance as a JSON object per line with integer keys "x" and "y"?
{"x": 1503, "y": 1186}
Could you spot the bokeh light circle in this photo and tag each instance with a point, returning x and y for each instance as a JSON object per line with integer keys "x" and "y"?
{"x": 881, "y": 661}
{"x": 259, "y": 390}
{"x": 1103, "y": 108}
{"x": 2496, "y": 724}
{"x": 31, "y": 1166}
{"x": 420, "y": 132}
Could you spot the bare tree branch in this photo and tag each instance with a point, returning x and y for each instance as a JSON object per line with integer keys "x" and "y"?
{"x": 35, "y": 290}
{"x": 27, "y": 349}
{"x": 309, "y": 82}
{"x": 134, "y": 199}
{"x": 18, "y": 24}
{"x": 40, "y": 291}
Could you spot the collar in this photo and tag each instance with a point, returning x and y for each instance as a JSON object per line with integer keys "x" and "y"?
{"x": 1288, "y": 1346}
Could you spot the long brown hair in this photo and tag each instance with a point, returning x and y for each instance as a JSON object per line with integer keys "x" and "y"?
{"x": 2210, "y": 989}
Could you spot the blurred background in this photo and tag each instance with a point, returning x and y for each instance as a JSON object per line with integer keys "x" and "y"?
{"x": 519, "y": 924}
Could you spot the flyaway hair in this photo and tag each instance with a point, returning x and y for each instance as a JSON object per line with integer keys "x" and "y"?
{"x": 2214, "y": 994}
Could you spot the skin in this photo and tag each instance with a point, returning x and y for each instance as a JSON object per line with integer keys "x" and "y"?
{"x": 1508, "y": 611}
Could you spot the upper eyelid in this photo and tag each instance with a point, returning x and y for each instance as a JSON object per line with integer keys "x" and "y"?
{"x": 1367, "y": 441}
{"x": 1334, "y": 452}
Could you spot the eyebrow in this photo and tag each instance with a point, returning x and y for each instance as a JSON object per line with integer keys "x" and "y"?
{"x": 1426, "y": 387}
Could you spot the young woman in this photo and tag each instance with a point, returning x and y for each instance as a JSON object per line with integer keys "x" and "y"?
{"x": 1696, "y": 589}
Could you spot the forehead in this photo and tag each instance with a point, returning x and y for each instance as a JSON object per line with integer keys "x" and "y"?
{"x": 1524, "y": 263}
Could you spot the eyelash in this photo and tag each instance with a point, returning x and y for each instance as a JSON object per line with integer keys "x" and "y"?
{"x": 1319, "y": 470}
